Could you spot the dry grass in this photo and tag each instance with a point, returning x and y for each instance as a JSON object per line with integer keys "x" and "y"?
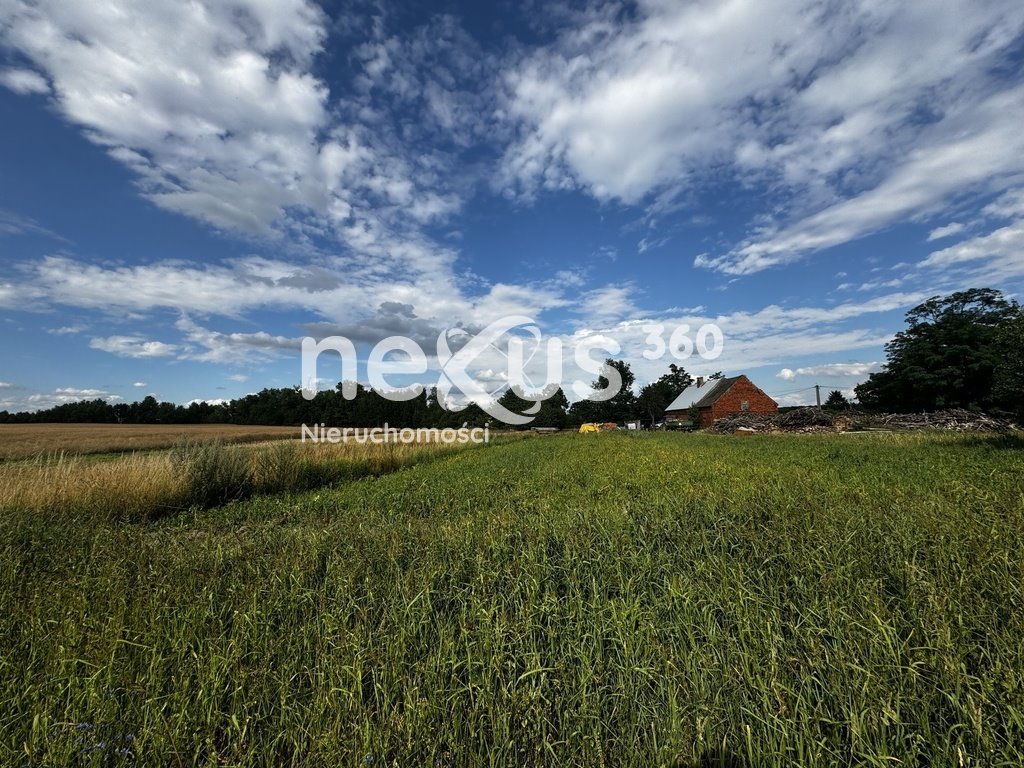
{"x": 147, "y": 485}
{"x": 21, "y": 441}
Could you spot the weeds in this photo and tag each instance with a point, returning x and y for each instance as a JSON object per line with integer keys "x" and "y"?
{"x": 215, "y": 474}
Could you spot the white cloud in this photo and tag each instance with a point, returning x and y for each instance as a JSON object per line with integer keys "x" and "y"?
{"x": 830, "y": 370}
{"x": 949, "y": 230}
{"x": 608, "y": 304}
{"x": 980, "y": 151}
{"x": 19, "y": 296}
{"x": 75, "y": 392}
{"x": 24, "y": 81}
{"x": 211, "y": 346}
{"x": 217, "y": 110}
{"x": 139, "y": 384}
{"x": 882, "y": 111}
{"x": 210, "y": 103}
{"x": 647, "y": 244}
{"x": 874, "y": 285}
{"x": 41, "y": 400}
{"x": 6, "y": 385}
{"x": 132, "y": 346}
{"x": 1007, "y": 206}
{"x": 756, "y": 339}
{"x": 211, "y": 401}
{"x": 991, "y": 258}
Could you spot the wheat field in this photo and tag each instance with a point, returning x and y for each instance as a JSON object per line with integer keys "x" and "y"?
{"x": 22, "y": 441}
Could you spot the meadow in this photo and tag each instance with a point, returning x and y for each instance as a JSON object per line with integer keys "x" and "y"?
{"x": 575, "y": 600}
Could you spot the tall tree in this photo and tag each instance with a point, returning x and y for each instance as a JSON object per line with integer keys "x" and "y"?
{"x": 1008, "y": 381}
{"x": 947, "y": 357}
{"x": 658, "y": 395}
{"x": 620, "y": 407}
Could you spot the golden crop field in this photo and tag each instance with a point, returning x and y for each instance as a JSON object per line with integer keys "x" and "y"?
{"x": 19, "y": 441}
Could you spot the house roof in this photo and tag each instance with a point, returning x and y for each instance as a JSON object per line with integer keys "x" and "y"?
{"x": 702, "y": 397}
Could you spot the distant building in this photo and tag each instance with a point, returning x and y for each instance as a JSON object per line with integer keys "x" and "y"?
{"x": 714, "y": 399}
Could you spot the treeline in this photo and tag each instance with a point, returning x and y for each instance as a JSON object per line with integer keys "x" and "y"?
{"x": 287, "y": 407}
{"x": 270, "y": 407}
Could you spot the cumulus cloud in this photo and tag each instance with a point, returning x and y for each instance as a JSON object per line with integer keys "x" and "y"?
{"x": 753, "y": 339}
{"x": 139, "y": 384}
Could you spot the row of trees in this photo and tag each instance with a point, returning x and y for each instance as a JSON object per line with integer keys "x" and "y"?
{"x": 369, "y": 408}
{"x": 284, "y": 407}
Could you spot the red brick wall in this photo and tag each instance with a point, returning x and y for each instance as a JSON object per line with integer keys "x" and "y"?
{"x": 732, "y": 401}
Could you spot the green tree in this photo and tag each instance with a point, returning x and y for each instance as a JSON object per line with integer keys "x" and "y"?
{"x": 621, "y": 407}
{"x": 655, "y": 397}
{"x": 947, "y": 357}
{"x": 552, "y": 411}
{"x": 836, "y": 401}
{"x": 1008, "y": 380}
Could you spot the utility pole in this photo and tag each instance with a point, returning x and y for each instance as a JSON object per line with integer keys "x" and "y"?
{"x": 817, "y": 395}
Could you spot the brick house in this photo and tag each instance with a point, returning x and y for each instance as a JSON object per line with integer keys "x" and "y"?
{"x": 718, "y": 398}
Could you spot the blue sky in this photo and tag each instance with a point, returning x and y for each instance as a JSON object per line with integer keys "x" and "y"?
{"x": 187, "y": 190}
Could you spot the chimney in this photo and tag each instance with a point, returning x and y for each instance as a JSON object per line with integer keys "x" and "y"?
{"x": 700, "y": 382}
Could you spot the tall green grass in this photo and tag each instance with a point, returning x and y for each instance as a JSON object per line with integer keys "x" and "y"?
{"x": 634, "y": 600}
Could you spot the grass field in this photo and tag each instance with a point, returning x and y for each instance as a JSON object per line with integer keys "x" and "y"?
{"x": 21, "y": 441}
{"x": 593, "y": 600}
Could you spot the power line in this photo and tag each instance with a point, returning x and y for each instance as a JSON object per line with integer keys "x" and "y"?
{"x": 794, "y": 392}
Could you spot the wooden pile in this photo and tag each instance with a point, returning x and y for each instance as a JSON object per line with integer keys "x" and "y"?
{"x": 955, "y": 420}
{"x": 813, "y": 420}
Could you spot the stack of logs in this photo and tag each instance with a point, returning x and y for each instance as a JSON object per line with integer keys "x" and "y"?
{"x": 810, "y": 420}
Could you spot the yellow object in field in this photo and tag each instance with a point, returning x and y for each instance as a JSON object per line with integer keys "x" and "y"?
{"x": 590, "y": 428}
